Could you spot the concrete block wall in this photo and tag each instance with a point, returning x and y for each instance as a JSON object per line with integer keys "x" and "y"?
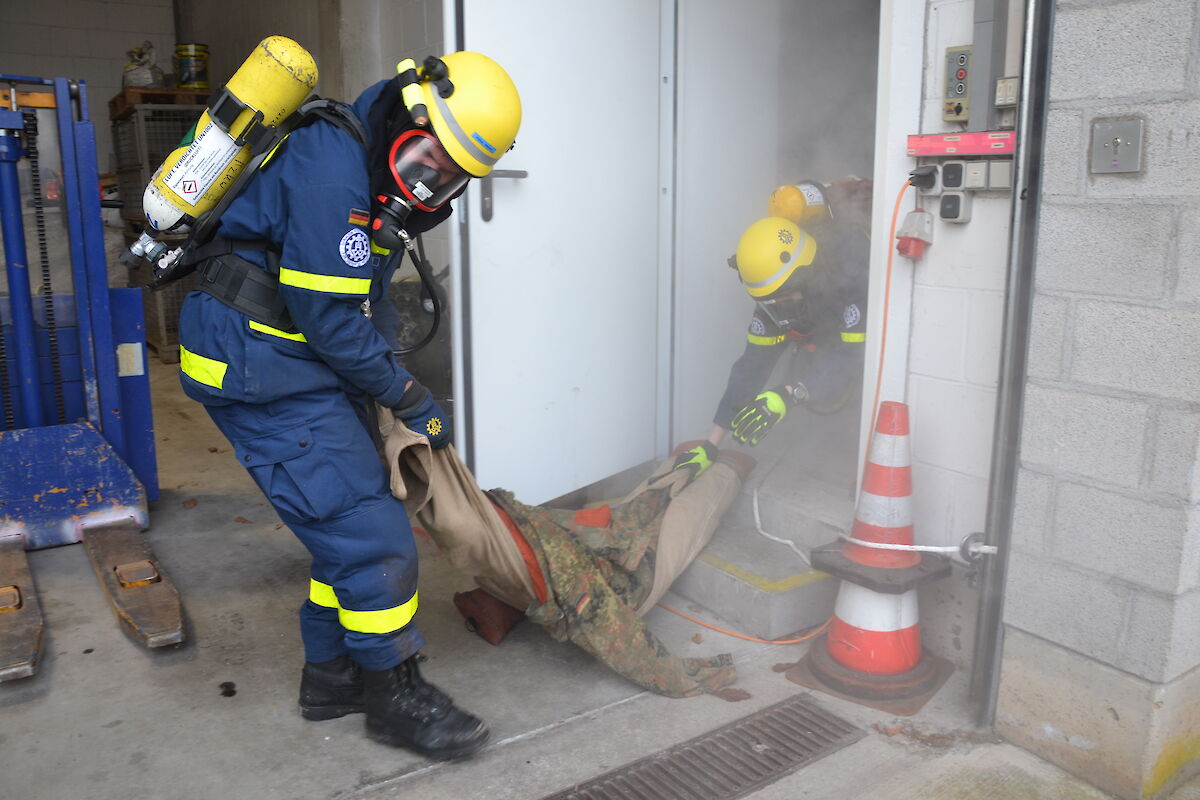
{"x": 1105, "y": 563}
{"x": 86, "y": 40}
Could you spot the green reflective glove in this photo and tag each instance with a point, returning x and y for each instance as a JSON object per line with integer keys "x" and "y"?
{"x": 753, "y": 422}
{"x": 697, "y": 459}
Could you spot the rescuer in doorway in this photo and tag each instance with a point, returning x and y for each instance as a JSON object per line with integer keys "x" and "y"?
{"x": 805, "y": 266}
{"x": 327, "y": 216}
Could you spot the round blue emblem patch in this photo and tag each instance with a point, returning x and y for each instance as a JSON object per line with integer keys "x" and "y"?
{"x": 355, "y": 248}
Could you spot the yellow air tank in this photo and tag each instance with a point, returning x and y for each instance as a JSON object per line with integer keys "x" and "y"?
{"x": 273, "y": 82}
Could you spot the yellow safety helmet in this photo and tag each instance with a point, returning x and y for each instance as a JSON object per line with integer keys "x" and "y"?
{"x": 473, "y": 107}
{"x": 769, "y": 252}
{"x": 802, "y": 202}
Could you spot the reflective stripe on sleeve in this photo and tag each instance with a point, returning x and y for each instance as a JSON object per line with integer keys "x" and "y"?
{"x": 267, "y": 329}
{"x": 208, "y": 371}
{"x": 386, "y": 620}
{"x": 766, "y": 341}
{"x": 847, "y": 336}
{"x": 324, "y": 283}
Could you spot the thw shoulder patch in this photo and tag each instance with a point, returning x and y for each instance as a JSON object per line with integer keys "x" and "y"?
{"x": 355, "y": 248}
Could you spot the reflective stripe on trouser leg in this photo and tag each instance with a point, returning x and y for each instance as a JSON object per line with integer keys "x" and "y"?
{"x": 385, "y": 620}
{"x": 313, "y": 458}
{"x": 370, "y": 582}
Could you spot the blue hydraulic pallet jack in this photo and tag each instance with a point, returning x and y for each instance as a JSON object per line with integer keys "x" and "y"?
{"x": 77, "y": 460}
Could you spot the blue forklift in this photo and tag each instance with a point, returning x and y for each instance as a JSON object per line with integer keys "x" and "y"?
{"x": 77, "y": 461}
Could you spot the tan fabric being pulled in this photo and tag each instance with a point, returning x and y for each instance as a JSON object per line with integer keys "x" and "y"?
{"x": 689, "y": 522}
{"x": 441, "y": 493}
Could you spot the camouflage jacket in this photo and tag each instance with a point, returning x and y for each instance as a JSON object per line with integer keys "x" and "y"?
{"x": 599, "y": 565}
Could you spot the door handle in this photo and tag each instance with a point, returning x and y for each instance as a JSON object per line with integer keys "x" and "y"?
{"x": 485, "y": 188}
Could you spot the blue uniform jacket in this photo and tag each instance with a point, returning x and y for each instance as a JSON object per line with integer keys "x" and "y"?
{"x": 312, "y": 201}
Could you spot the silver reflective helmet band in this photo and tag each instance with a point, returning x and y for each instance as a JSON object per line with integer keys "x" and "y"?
{"x": 779, "y": 272}
{"x": 468, "y": 144}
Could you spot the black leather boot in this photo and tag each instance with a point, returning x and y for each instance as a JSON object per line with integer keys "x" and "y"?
{"x": 331, "y": 689}
{"x": 405, "y": 711}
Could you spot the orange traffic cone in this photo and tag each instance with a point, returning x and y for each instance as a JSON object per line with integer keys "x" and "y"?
{"x": 884, "y": 512}
{"x": 872, "y": 652}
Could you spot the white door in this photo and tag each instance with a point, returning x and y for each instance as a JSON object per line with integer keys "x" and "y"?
{"x": 557, "y": 356}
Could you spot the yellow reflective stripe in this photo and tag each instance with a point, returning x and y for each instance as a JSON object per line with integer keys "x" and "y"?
{"x": 385, "y": 620}
{"x": 258, "y": 326}
{"x": 765, "y": 340}
{"x": 322, "y": 594}
{"x": 208, "y": 371}
{"x": 853, "y": 337}
{"x": 323, "y": 283}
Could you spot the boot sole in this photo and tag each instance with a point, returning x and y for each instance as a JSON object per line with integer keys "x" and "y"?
{"x": 319, "y": 713}
{"x": 441, "y": 755}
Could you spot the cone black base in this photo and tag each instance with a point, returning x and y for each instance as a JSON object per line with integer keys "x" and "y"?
{"x": 903, "y": 694}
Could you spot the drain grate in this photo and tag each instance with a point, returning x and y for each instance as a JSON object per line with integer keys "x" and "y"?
{"x": 727, "y": 763}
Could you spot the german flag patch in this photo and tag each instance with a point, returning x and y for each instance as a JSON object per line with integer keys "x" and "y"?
{"x": 583, "y": 602}
{"x": 358, "y": 217}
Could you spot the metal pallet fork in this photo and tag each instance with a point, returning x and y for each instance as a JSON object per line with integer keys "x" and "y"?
{"x": 77, "y": 461}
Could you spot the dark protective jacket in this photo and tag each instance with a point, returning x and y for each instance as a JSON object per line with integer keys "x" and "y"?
{"x": 313, "y": 202}
{"x": 826, "y": 330}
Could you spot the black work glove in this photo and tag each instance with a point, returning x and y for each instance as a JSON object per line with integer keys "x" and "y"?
{"x": 422, "y": 414}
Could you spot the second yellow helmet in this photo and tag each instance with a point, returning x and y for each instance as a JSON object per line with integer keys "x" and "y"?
{"x": 802, "y": 202}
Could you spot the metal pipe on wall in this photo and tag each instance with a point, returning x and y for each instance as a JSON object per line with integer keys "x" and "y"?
{"x": 1031, "y": 129}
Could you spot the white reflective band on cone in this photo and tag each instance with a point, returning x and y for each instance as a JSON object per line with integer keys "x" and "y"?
{"x": 884, "y": 512}
{"x": 862, "y": 608}
{"x": 890, "y": 451}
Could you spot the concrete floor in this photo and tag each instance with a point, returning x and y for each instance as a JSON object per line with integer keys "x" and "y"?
{"x": 105, "y": 719}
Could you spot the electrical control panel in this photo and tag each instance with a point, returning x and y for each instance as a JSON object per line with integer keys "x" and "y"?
{"x": 956, "y": 105}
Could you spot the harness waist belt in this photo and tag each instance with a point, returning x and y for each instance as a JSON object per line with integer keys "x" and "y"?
{"x": 245, "y": 287}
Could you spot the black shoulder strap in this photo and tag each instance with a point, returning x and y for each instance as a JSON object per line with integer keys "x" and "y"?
{"x": 335, "y": 113}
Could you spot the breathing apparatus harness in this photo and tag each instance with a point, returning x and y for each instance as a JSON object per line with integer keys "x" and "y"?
{"x": 244, "y": 286}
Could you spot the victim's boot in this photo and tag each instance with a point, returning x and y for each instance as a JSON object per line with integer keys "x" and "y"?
{"x": 331, "y": 689}
{"x": 405, "y": 711}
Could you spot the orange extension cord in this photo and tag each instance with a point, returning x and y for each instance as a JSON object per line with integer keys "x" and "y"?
{"x": 711, "y": 627}
{"x": 887, "y": 301}
{"x": 887, "y": 297}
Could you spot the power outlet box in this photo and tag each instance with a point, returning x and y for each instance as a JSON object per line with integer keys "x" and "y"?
{"x": 955, "y": 207}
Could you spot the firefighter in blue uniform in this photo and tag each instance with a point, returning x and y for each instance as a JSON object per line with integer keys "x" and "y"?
{"x": 326, "y": 221}
{"x": 805, "y": 266}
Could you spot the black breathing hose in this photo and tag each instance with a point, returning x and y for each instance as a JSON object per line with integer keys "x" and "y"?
{"x": 423, "y": 272}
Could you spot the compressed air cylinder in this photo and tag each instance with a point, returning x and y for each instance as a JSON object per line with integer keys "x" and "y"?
{"x": 274, "y": 81}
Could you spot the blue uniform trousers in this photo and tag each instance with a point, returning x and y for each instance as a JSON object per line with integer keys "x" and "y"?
{"x": 312, "y": 455}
